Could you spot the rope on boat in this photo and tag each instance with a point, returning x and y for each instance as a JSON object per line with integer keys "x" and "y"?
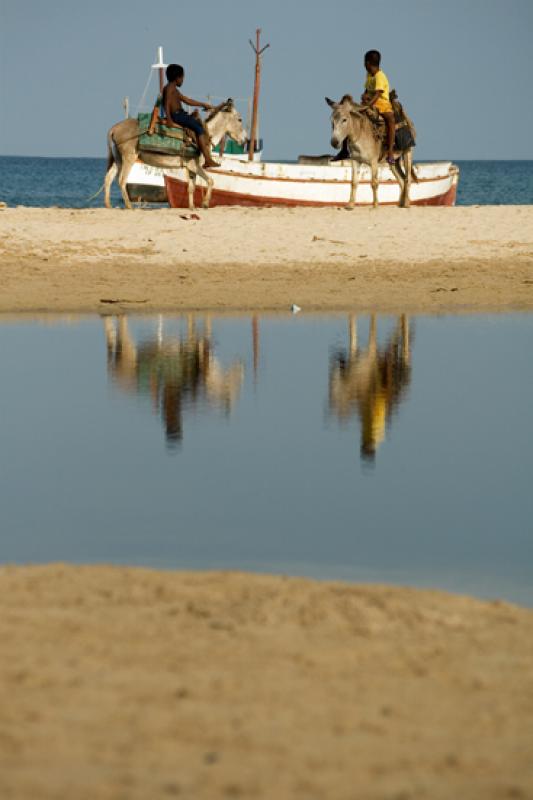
{"x": 140, "y": 104}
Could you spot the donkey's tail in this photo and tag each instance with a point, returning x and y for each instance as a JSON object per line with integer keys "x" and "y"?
{"x": 110, "y": 162}
{"x": 95, "y": 195}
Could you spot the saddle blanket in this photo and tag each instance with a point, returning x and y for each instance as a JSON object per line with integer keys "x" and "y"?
{"x": 167, "y": 141}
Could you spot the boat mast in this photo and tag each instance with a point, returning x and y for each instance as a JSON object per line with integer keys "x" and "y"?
{"x": 161, "y": 66}
{"x": 257, "y": 84}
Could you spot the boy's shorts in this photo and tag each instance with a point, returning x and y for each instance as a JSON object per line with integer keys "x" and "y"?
{"x": 188, "y": 121}
{"x": 383, "y": 106}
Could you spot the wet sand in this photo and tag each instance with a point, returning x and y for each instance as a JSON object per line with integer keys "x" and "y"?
{"x": 122, "y": 683}
{"x": 389, "y": 260}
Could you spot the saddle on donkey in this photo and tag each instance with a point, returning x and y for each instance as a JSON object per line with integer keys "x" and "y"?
{"x": 156, "y": 137}
{"x": 405, "y": 133}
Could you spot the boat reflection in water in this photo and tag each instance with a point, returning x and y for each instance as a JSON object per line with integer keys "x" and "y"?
{"x": 178, "y": 372}
{"x": 371, "y": 382}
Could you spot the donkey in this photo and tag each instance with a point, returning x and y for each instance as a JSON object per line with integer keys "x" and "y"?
{"x": 365, "y": 147}
{"x": 371, "y": 382}
{"x": 177, "y": 370}
{"x": 123, "y": 152}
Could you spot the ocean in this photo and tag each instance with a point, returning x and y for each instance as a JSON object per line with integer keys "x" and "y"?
{"x": 70, "y": 182}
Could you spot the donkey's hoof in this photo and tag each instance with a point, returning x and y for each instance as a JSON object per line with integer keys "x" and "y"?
{"x": 349, "y": 207}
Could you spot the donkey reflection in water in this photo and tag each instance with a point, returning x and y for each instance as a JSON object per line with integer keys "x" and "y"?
{"x": 177, "y": 372}
{"x": 371, "y": 382}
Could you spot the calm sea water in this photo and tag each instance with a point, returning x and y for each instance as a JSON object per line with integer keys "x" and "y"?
{"x": 69, "y": 182}
{"x": 373, "y": 449}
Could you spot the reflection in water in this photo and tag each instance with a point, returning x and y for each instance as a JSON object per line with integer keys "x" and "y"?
{"x": 370, "y": 382}
{"x": 256, "y": 491}
{"x": 178, "y": 372}
{"x": 181, "y": 371}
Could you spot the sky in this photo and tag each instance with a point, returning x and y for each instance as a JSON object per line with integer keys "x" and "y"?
{"x": 462, "y": 68}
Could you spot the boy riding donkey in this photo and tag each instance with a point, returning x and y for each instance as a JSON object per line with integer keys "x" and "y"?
{"x": 170, "y": 110}
{"x": 377, "y": 98}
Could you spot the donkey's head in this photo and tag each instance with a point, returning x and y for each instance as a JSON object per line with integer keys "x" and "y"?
{"x": 345, "y": 119}
{"x": 225, "y": 120}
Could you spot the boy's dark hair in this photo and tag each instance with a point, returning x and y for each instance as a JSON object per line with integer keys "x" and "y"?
{"x": 373, "y": 57}
{"x": 174, "y": 71}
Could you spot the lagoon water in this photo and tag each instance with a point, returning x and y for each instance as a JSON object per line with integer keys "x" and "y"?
{"x": 391, "y": 450}
{"x": 70, "y": 182}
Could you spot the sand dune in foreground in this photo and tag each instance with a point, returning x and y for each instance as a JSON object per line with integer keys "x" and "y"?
{"x": 122, "y": 683}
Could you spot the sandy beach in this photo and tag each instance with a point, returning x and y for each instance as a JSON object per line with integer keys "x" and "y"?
{"x": 397, "y": 260}
{"x": 122, "y": 683}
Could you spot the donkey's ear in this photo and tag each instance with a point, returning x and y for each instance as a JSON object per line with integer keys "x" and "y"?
{"x": 331, "y": 103}
{"x": 229, "y": 102}
{"x": 347, "y": 98}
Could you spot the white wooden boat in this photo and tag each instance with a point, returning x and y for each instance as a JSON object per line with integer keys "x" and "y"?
{"x": 147, "y": 184}
{"x": 289, "y": 184}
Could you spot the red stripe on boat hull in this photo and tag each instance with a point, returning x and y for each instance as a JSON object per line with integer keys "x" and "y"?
{"x": 178, "y": 198}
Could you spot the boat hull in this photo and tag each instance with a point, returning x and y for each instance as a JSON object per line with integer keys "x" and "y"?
{"x": 271, "y": 184}
{"x": 146, "y": 184}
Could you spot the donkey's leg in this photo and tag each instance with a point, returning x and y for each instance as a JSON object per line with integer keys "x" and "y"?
{"x": 191, "y": 186}
{"x": 372, "y": 335}
{"x": 406, "y": 345}
{"x": 192, "y": 174}
{"x": 209, "y": 186}
{"x": 124, "y": 171}
{"x": 208, "y": 192}
{"x": 110, "y": 176}
{"x": 111, "y": 172}
{"x": 408, "y": 170}
{"x": 398, "y": 174}
{"x": 355, "y": 181}
{"x": 110, "y": 336}
{"x": 352, "y": 330}
{"x": 375, "y": 182}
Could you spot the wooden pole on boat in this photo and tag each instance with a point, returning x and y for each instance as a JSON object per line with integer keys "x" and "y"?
{"x": 257, "y": 85}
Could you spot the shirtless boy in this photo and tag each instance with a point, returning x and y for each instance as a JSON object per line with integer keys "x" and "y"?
{"x": 176, "y": 117}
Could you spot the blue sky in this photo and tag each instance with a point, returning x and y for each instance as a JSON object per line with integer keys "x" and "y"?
{"x": 463, "y": 68}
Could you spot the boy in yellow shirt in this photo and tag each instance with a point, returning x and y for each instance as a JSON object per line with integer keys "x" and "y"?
{"x": 376, "y": 95}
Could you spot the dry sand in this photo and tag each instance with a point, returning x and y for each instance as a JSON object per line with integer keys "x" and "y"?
{"x": 422, "y": 259}
{"x": 122, "y": 683}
